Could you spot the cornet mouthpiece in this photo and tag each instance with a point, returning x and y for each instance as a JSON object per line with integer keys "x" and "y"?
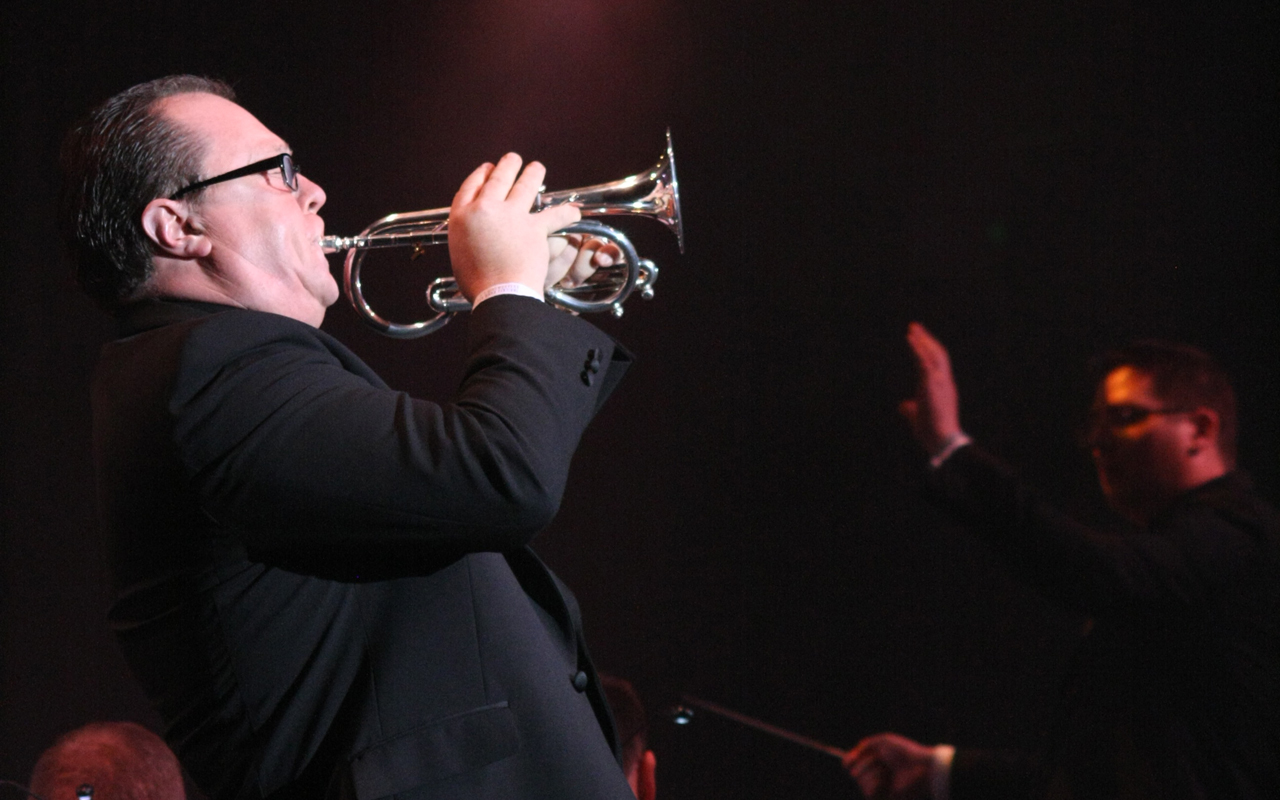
{"x": 336, "y": 244}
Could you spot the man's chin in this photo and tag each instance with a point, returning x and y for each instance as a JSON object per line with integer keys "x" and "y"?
{"x": 1115, "y": 495}
{"x": 1107, "y": 487}
{"x": 328, "y": 293}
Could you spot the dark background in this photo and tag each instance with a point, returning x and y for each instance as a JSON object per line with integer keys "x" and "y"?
{"x": 1036, "y": 181}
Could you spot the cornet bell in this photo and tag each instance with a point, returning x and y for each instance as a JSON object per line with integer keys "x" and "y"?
{"x": 654, "y": 193}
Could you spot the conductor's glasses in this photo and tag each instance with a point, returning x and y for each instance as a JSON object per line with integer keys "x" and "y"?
{"x": 1117, "y": 417}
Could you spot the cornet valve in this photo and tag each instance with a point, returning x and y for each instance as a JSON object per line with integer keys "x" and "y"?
{"x": 616, "y": 310}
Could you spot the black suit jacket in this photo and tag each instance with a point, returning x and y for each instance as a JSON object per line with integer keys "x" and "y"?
{"x": 1175, "y": 690}
{"x": 324, "y": 584}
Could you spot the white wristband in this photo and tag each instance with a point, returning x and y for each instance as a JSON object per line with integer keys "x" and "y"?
{"x": 506, "y": 288}
{"x": 953, "y": 443}
{"x": 940, "y": 772}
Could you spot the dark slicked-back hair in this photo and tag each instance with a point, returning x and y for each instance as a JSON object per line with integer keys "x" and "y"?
{"x": 120, "y": 157}
{"x": 120, "y": 760}
{"x": 1184, "y": 377}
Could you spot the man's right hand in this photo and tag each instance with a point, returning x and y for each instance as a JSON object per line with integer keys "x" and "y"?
{"x": 891, "y": 766}
{"x": 934, "y": 413}
{"x": 493, "y": 236}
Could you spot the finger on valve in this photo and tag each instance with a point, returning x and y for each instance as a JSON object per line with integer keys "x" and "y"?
{"x": 493, "y": 237}
{"x": 572, "y": 264}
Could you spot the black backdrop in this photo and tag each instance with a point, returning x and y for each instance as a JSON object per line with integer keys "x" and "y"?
{"x": 1034, "y": 180}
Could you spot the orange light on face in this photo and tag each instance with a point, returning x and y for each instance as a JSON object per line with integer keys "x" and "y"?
{"x": 1138, "y": 444}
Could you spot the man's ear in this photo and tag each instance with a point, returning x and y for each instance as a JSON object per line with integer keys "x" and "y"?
{"x": 1207, "y": 427}
{"x": 172, "y": 227}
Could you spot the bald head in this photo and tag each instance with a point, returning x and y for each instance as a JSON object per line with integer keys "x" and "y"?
{"x": 120, "y": 760}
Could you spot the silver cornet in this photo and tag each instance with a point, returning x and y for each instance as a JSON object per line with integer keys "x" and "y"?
{"x": 653, "y": 193}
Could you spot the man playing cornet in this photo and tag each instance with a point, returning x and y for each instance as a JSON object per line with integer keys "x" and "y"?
{"x": 324, "y": 584}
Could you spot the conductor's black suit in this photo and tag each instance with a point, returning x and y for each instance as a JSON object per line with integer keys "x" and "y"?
{"x": 324, "y": 584}
{"x": 1174, "y": 691}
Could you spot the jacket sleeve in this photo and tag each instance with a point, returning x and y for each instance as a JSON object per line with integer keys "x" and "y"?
{"x": 292, "y": 443}
{"x": 995, "y": 775}
{"x": 1189, "y": 557}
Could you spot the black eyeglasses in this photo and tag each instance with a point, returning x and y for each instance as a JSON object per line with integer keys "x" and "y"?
{"x": 284, "y": 162}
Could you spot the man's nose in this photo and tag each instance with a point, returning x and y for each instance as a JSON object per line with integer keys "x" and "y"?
{"x": 310, "y": 195}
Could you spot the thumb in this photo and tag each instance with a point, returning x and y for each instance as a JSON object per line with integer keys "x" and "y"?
{"x": 558, "y": 217}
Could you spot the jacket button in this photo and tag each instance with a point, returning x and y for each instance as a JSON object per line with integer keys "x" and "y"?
{"x": 587, "y": 377}
{"x": 580, "y": 681}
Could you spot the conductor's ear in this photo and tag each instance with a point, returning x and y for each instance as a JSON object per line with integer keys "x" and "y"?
{"x": 174, "y": 230}
{"x": 1207, "y": 428}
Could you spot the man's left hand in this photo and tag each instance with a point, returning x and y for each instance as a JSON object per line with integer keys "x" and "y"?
{"x": 574, "y": 258}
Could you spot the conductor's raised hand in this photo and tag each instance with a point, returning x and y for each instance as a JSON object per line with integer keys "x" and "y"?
{"x": 494, "y": 237}
{"x": 934, "y": 412}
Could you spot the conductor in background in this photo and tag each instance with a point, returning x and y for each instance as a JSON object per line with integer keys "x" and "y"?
{"x": 1175, "y": 690}
{"x": 325, "y": 585}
